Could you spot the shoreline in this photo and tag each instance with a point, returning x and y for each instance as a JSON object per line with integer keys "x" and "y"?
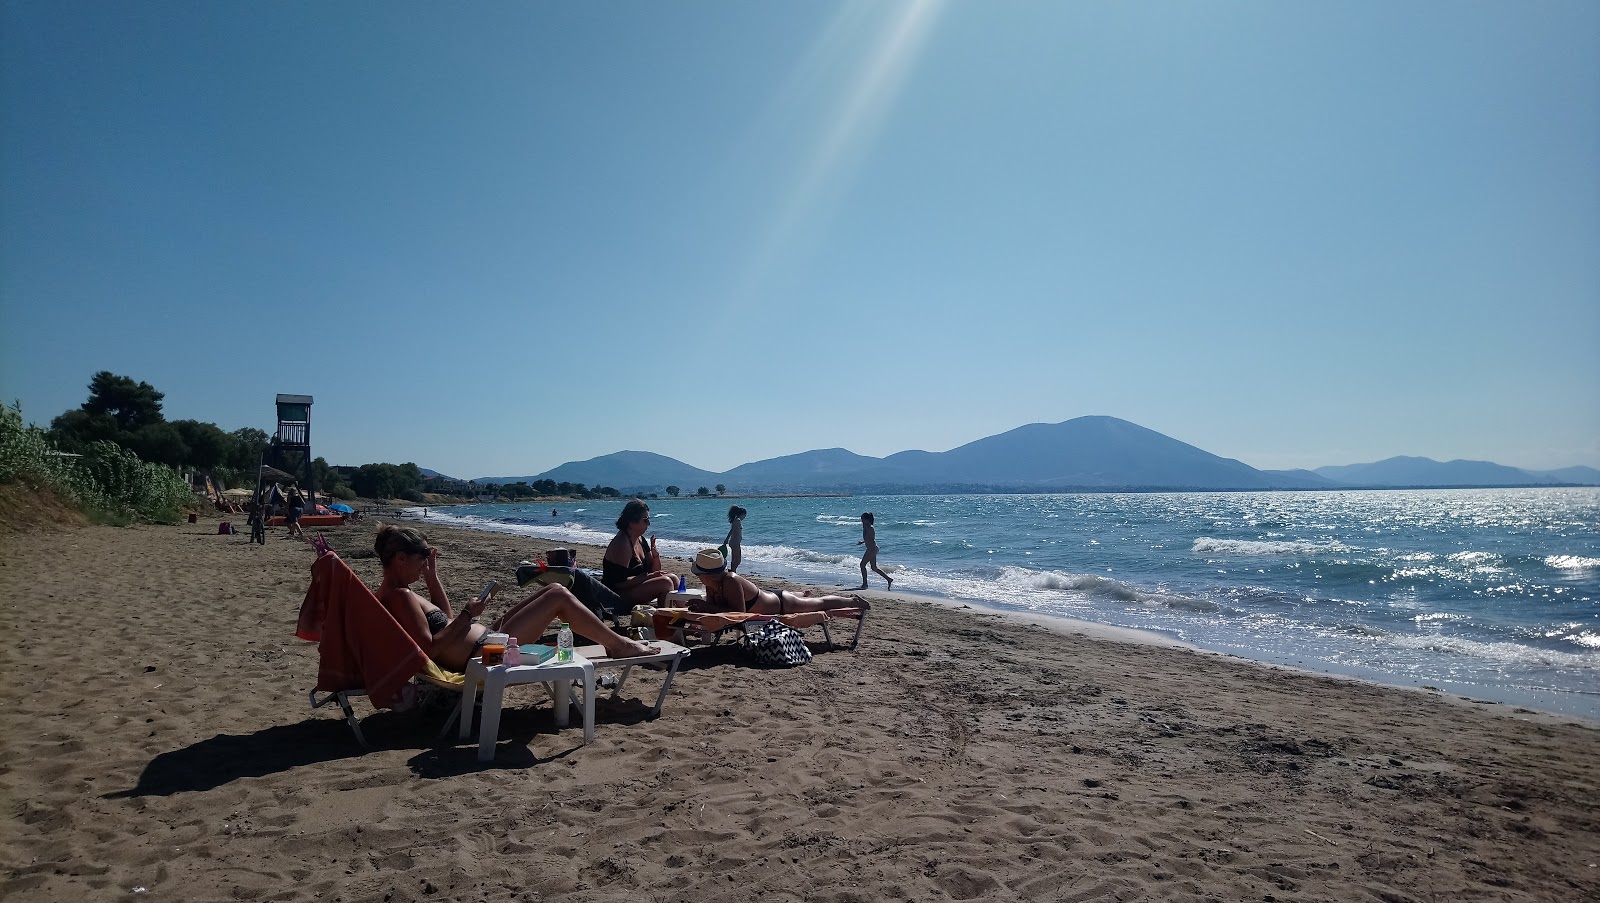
{"x": 956, "y": 754}
{"x": 1520, "y": 702}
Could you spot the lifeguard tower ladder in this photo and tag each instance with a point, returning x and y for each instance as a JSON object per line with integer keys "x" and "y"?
{"x": 294, "y": 435}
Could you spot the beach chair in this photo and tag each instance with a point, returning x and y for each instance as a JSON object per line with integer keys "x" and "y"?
{"x": 362, "y": 650}
{"x": 681, "y": 625}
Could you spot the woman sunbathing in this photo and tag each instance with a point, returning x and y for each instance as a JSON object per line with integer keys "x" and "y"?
{"x": 727, "y": 591}
{"x": 450, "y": 639}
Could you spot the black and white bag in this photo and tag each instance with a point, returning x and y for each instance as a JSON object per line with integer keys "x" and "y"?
{"x": 777, "y": 645}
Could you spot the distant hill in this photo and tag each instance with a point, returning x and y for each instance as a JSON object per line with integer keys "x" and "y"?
{"x": 624, "y": 470}
{"x": 1088, "y": 453}
{"x": 1583, "y": 476}
{"x": 1409, "y": 471}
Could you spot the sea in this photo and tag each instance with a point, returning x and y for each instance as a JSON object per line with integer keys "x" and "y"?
{"x": 1491, "y": 594}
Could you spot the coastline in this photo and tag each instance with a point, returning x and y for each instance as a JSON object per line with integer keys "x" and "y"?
{"x": 956, "y": 755}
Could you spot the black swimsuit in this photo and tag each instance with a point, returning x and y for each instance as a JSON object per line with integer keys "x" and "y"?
{"x": 437, "y": 621}
{"x": 615, "y": 575}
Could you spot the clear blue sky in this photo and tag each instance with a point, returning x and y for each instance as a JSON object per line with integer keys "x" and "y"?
{"x": 491, "y": 238}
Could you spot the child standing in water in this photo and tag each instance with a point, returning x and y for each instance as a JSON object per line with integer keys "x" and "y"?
{"x": 869, "y": 538}
{"x": 735, "y": 539}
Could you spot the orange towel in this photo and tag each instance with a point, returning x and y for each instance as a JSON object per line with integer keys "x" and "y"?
{"x": 362, "y": 645}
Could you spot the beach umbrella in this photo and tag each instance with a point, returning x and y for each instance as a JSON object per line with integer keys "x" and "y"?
{"x": 274, "y": 475}
{"x": 342, "y": 508}
{"x": 238, "y": 493}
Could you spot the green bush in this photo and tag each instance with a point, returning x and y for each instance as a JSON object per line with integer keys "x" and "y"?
{"x": 109, "y": 483}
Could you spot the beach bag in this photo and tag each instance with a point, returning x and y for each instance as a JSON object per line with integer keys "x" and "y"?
{"x": 777, "y": 645}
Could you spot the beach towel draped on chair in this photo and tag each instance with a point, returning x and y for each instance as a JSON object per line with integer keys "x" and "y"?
{"x": 362, "y": 649}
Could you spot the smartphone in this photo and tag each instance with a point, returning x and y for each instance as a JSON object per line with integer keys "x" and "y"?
{"x": 488, "y": 591}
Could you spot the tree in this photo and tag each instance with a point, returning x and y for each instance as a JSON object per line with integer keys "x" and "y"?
{"x": 160, "y": 443}
{"x": 248, "y": 445}
{"x": 702, "y": 491}
{"x": 673, "y": 491}
{"x": 131, "y": 404}
{"x": 208, "y": 444}
{"x": 74, "y": 431}
{"x": 721, "y": 489}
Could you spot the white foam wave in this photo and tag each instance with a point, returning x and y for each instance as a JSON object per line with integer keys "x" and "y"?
{"x": 1572, "y": 562}
{"x": 1207, "y": 545}
{"x": 1505, "y": 653}
{"x": 1097, "y": 587}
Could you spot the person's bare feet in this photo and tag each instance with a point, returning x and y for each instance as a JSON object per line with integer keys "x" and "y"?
{"x": 627, "y": 648}
{"x": 890, "y": 581}
{"x": 862, "y": 586}
{"x": 861, "y": 602}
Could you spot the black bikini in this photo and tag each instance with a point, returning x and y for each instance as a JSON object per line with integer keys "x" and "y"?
{"x": 437, "y": 621}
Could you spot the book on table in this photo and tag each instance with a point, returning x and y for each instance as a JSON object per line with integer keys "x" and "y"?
{"x": 536, "y": 654}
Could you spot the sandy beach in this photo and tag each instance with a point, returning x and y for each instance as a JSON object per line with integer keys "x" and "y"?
{"x": 159, "y": 746}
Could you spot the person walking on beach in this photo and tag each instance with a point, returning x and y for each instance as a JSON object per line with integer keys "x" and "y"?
{"x": 733, "y": 543}
{"x": 296, "y": 509}
{"x": 869, "y": 538}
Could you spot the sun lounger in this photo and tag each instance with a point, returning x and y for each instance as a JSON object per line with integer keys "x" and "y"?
{"x": 362, "y": 650}
{"x": 681, "y": 625}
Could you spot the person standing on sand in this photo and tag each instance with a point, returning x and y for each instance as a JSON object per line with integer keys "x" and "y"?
{"x": 869, "y": 538}
{"x": 734, "y": 541}
{"x": 296, "y": 508}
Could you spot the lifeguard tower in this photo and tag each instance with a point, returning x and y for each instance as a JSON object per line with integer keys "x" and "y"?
{"x": 294, "y": 436}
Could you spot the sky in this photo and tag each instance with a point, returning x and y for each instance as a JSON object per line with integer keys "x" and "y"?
{"x": 492, "y": 238}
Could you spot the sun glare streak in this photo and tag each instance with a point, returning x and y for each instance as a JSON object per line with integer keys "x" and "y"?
{"x": 876, "y": 79}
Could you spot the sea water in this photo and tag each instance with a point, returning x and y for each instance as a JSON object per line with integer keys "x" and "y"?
{"x": 1491, "y": 593}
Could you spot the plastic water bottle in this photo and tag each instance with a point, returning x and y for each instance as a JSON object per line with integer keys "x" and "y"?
{"x": 513, "y": 653}
{"x": 564, "y": 643}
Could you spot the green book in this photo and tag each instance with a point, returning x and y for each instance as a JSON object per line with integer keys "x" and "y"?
{"x": 535, "y": 654}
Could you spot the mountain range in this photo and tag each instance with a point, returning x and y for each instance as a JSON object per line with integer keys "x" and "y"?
{"x": 1094, "y": 453}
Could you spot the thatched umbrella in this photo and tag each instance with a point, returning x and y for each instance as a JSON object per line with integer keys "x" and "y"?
{"x": 272, "y": 474}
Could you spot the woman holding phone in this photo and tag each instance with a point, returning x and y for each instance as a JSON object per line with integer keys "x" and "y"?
{"x": 632, "y": 569}
{"x": 451, "y": 638}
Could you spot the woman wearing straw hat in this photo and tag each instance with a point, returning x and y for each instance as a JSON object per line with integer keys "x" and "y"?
{"x": 727, "y": 591}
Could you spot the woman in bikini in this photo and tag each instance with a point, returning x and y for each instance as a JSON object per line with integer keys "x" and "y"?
{"x": 452, "y": 639}
{"x": 727, "y": 591}
{"x": 631, "y": 569}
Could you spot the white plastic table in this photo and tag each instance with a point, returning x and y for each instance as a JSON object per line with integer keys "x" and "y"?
{"x": 494, "y": 681}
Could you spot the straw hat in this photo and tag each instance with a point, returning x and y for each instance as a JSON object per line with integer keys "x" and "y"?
{"x": 708, "y": 561}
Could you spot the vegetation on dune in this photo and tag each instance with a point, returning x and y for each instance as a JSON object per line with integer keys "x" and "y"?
{"x": 107, "y": 482}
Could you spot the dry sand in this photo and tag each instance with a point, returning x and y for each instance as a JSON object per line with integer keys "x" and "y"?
{"x": 157, "y": 736}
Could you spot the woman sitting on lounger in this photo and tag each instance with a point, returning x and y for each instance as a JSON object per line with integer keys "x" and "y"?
{"x": 453, "y": 639}
{"x": 632, "y": 569}
{"x": 727, "y": 591}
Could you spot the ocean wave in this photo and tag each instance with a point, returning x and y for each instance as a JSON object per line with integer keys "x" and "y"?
{"x": 1502, "y": 652}
{"x": 1572, "y": 562}
{"x": 1094, "y": 586}
{"x": 1207, "y": 545}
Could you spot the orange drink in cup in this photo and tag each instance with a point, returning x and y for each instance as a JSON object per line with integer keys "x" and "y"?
{"x": 494, "y": 649}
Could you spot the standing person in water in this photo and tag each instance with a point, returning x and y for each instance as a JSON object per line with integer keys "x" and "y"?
{"x": 869, "y": 538}
{"x": 735, "y": 539}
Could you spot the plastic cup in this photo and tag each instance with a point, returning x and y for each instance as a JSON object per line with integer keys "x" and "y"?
{"x": 494, "y": 649}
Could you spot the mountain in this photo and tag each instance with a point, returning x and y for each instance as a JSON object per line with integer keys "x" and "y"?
{"x": 1091, "y": 453}
{"x": 1583, "y": 476}
{"x": 624, "y": 470}
{"x": 817, "y": 467}
{"x": 1408, "y": 471}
